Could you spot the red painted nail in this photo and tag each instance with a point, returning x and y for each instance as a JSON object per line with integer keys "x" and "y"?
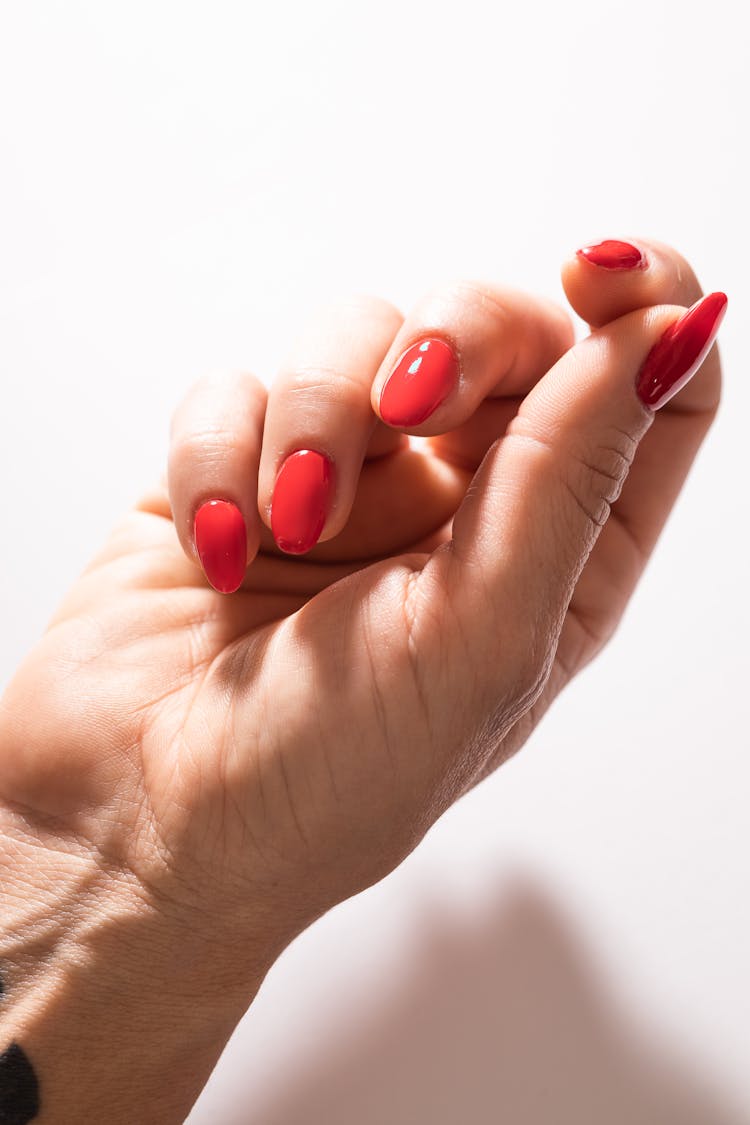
{"x": 221, "y": 542}
{"x": 676, "y": 357}
{"x": 424, "y": 375}
{"x": 613, "y": 255}
{"x": 301, "y": 496}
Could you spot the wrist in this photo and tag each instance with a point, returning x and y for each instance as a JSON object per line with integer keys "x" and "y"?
{"x": 121, "y": 1006}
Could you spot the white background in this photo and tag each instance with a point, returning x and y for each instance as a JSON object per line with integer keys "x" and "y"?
{"x": 180, "y": 184}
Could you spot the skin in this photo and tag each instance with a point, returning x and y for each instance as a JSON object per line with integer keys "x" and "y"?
{"x": 188, "y": 779}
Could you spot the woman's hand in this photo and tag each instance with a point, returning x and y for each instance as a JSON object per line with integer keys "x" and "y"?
{"x": 239, "y": 763}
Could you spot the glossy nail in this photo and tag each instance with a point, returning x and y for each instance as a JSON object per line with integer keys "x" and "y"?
{"x": 613, "y": 255}
{"x": 676, "y": 357}
{"x": 300, "y": 501}
{"x": 423, "y": 377}
{"x": 221, "y": 542}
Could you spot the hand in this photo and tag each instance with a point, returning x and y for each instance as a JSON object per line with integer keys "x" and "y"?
{"x": 250, "y": 759}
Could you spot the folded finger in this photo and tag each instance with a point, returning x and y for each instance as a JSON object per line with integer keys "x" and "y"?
{"x": 212, "y": 474}
{"x": 464, "y": 348}
{"x": 319, "y": 425}
{"x": 608, "y": 279}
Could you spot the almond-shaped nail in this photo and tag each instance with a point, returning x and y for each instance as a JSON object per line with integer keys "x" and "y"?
{"x": 221, "y": 542}
{"x": 423, "y": 377}
{"x": 680, "y": 351}
{"x": 613, "y": 255}
{"x": 300, "y": 501}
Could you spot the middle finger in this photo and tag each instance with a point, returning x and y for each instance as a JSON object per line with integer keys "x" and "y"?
{"x": 462, "y": 361}
{"x": 457, "y": 365}
{"x": 319, "y": 426}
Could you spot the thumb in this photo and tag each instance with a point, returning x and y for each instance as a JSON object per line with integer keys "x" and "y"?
{"x": 543, "y": 492}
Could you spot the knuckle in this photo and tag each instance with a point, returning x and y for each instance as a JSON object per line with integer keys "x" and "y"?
{"x": 364, "y": 306}
{"x": 206, "y": 446}
{"x": 357, "y": 321}
{"x": 227, "y": 384}
{"x": 526, "y": 670}
{"x": 218, "y": 394}
{"x": 591, "y": 471}
{"x": 533, "y": 661}
{"x": 479, "y": 296}
{"x": 594, "y": 472}
{"x": 321, "y": 384}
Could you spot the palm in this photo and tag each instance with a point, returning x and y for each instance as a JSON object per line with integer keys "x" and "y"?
{"x": 200, "y": 735}
{"x": 230, "y": 731}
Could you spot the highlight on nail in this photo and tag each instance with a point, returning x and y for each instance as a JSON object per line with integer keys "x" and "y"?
{"x": 422, "y": 378}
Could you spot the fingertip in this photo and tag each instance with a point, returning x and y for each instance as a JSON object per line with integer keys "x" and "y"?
{"x": 220, "y": 540}
{"x": 608, "y": 278}
{"x": 212, "y": 473}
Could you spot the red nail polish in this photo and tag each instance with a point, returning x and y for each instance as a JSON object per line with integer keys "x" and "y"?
{"x": 301, "y": 496}
{"x": 221, "y": 543}
{"x": 676, "y": 357}
{"x": 613, "y": 255}
{"x": 424, "y": 375}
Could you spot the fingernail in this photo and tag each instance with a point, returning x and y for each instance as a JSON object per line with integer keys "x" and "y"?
{"x": 300, "y": 501}
{"x": 423, "y": 377}
{"x": 676, "y": 357}
{"x": 221, "y": 542}
{"x": 613, "y": 255}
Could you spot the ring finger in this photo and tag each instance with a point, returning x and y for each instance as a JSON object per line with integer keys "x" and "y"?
{"x": 465, "y": 348}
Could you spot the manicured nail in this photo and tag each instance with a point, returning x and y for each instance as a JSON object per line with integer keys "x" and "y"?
{"x": 423, "y": 377}
{"x": 300, "y": 501}
{"x": 221, "y": 543}
{"x": 676, "y": 357}
{"x": 613, "y": 255}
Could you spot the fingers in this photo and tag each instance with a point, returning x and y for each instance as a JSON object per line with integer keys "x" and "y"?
{"x": 320, "y": 424}
{"x": 664, "y": 456}
{"x": 319, "y": 427}
{"x": 454, "y": 372}
{"x": 463, "y": 357}
{"x": 606, "y": 280}
{"x": 226, "y": 437}
{"x": 306, "y": 443}
{"x": 543, "y": 493}
{"x": 212, "y": 474}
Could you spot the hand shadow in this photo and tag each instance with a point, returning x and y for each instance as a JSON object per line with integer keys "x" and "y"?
{"x": 505, "y": 1022}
